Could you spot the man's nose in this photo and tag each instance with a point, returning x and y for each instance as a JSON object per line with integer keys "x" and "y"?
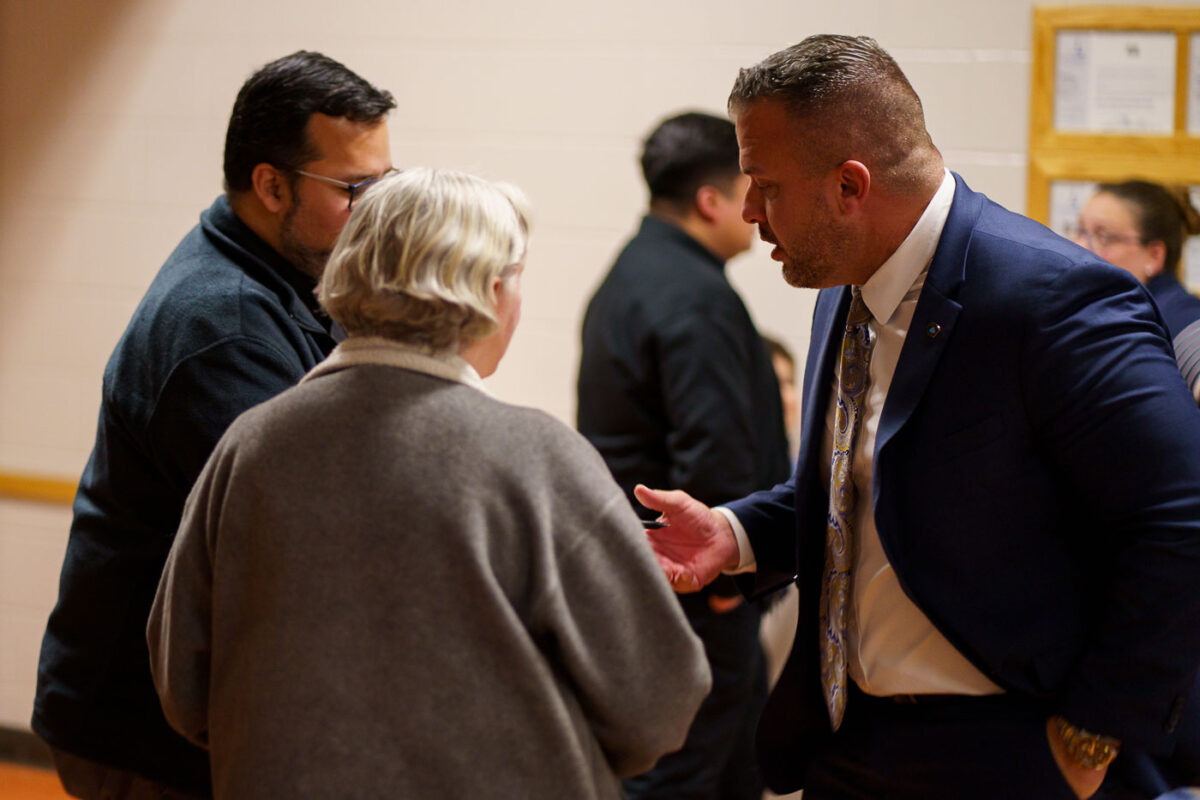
{"x": 752, "y": 206}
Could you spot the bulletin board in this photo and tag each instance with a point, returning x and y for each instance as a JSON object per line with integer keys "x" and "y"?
{"x": 1116, "y": 95}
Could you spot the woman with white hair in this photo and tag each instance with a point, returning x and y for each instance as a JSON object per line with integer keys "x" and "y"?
{"x": 389, "y": 584}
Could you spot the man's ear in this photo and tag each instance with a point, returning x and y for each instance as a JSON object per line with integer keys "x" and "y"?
{"x": 853, "y": 185}
{"x": 271, "y": 187}
{"x": 708, "y": 202}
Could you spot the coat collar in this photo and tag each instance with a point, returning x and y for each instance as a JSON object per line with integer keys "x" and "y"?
{"x": 935, "y": 316}
{"x": 654, "y": 228}
{"x": 243, "y": 246}
{"x": 376, "y": 350}
{"x": 903, "y": 273}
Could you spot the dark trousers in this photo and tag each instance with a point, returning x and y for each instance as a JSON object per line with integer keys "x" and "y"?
{"x": 957, "y": 748}
{"x": 91, "y": 780}
{"x": 717, "y": 761}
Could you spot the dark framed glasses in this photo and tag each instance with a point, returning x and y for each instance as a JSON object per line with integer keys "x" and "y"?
{"x": 355, "y": 190}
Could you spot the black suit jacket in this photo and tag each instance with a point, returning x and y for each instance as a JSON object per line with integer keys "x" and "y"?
{"x": 676, "y": 388}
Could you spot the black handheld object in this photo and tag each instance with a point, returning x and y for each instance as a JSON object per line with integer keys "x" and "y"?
{"x": 653, "y": 523}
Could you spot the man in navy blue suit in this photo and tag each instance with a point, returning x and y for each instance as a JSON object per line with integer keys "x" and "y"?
{"x": 994, "y": 522}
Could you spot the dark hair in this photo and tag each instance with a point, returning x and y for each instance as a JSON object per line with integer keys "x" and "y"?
{"x": 867, "y": 106}
{"x": 688, "y": 151}
{"x": 271, "y": 113}
{"x": 1159, "y": 214}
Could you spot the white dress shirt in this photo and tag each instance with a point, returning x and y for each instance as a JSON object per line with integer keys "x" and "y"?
{"x": 893, "y": 648}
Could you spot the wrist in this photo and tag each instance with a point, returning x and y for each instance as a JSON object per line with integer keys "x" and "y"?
{"x": 742, "y": 557}
{"x": 730, "y": 537}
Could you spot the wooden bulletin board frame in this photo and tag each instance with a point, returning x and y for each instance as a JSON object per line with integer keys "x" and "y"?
{"x": 1057, "y": 155}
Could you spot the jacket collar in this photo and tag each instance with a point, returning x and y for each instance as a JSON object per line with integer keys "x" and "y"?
{"x": 294, "y": 288}
{"x": 935, "y": 316}
{"x": 948, "y": 269}
{"x": 904, "y": 271}
{"x": 655, "y": 228}
{"x": 376, "y": 350}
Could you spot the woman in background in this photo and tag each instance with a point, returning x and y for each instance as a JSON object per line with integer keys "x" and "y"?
{"x": 1140, "y": 226}
{"x": 388, "y": 583}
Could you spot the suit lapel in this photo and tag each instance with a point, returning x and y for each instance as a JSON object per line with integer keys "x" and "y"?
{"x": 794, "y": 723}
{"x": 933, "y": 321}
{"x": 829, "y": 319}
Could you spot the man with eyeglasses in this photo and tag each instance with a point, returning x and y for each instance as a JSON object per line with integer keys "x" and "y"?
{"x": 229, "y": 321}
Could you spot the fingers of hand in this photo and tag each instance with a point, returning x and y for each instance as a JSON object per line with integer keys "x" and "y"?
{"x": 648, "y": 497}
{"x": 682, "y": 580}
{"x": 668, "y": 501}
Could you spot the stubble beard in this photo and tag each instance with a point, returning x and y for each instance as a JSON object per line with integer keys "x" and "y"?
{"x": 309, "y": 260}
{"x": 823, "y": 255}
{"x": 812, "y": 266}
{"x": 801, "y": 275}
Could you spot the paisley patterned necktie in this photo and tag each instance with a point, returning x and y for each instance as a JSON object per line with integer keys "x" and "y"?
{"x": 853, "y": 377}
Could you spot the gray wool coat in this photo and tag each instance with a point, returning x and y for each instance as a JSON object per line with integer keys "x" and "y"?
{"x": 389, "y": 584}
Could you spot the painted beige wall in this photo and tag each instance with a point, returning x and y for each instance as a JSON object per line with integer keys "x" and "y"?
{"x": 112, "y": 118}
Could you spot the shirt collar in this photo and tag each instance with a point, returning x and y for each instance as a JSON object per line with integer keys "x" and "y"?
{"x": 360, "y": 350}
{"x": 904, "y": 271}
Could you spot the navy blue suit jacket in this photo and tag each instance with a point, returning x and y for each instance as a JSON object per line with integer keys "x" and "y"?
{"x": 1036, "y": 487}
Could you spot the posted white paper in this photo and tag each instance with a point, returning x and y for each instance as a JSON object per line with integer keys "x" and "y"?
{"x": 1115, "y": 82}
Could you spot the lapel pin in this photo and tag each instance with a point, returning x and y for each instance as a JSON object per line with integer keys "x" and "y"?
{"x": 932, "y": 330}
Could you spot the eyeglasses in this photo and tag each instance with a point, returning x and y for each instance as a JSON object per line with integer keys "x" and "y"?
{"x": 355, "y": 190}
{"x": 1099, "y": 240}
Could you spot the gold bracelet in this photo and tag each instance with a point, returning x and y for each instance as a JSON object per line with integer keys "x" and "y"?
{"x": 1089, "y": 750}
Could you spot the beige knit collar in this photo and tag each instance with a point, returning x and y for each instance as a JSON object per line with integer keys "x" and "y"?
{"x": 360, "y": 350}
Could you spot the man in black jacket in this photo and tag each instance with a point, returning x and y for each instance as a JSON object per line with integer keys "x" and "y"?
{"x": 677, "y": 386}
{"x": 229, "y": 321}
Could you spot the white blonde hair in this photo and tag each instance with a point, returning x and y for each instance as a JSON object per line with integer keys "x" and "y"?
{"x": 418, "y": 257}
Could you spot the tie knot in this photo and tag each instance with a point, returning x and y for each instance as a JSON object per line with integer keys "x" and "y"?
{"x": 859, "y": 313}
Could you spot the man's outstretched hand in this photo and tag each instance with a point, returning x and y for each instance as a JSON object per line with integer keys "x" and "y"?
{"x": 696, "y": 544}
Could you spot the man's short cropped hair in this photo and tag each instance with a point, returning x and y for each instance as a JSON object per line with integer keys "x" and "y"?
{"x": 821, "y": 69}
{"x": 417, "y": 259}
{"x": 270, "y": 116}
{"x": 686, "y": 152}
{"x": 858, "y": 98}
